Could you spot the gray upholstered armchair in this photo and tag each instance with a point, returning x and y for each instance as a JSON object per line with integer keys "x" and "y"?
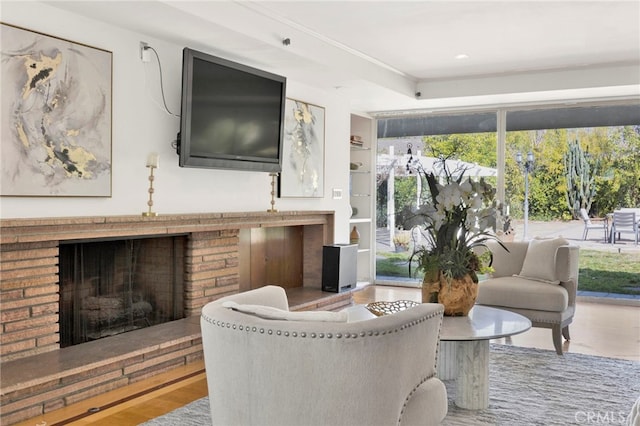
{"x": 312, "y": 368}
{"x": 537, "y": 279}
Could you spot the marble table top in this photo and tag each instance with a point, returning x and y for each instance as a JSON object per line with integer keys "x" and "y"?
{"x": 483, "y": 323}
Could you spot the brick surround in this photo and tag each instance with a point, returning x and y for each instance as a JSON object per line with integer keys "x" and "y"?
{"x": 29, "y": 287}
{"x": 29, "y": 297}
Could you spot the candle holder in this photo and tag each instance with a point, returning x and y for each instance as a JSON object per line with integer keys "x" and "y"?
{"x": 150, "y": 213}
{"x": 273, "y": 193}
{"x": 152, "y": 163}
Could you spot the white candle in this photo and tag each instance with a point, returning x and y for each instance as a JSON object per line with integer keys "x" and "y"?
{"x": 153, "y": 160}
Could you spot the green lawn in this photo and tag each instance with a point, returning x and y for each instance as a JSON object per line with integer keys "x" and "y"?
{"x": 599, "y": 271}
{"x": 393, "y": 264}
{"x": 609, "y": 272}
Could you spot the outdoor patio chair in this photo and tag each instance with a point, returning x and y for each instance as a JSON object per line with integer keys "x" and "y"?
{"x": 624, "y": 222}
{"x": 588, "y": 224}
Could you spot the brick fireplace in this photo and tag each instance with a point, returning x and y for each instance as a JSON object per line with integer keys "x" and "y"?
{"x": 223, "y": 254}
{"x": 30, "y": 282}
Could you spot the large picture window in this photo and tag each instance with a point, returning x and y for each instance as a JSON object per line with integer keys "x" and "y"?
{"x": 607, "y": 137}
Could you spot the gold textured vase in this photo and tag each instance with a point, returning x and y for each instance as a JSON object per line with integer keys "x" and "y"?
{"x": 458, "y": 295}
{"x": 430, "y": 290}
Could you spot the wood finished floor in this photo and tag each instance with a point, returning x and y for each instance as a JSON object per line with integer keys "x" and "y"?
{"x": 598, "y": 329}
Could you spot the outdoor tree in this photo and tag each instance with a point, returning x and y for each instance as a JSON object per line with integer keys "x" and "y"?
{"x": 405, "y": 198}
{"x": 580, "y": 172}
{"x": 616, "y": 176}
{"x": 548, "y": 183}
{"x": 627, "y": 167}
{"x": 478, "y": 148}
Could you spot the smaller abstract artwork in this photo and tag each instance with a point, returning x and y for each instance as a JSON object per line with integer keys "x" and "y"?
{"x": 56, "y": 116}
{"x": 303, "y": 151}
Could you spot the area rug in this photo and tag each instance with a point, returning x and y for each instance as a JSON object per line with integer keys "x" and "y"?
{"x": 527, "y": 387}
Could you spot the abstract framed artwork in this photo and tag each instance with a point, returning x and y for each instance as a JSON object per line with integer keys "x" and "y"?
{"x": 303, "y": 151}
{"x": 56, "y": 116}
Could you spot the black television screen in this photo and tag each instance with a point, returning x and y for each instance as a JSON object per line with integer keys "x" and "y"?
{"x": 232, "y": 115}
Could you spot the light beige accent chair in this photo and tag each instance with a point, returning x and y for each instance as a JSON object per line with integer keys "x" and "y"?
{"x": 268, "y": 366}
{"x": 537, "y": 279}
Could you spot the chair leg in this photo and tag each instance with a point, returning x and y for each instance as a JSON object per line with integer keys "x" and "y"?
{"x": 556, "y": 333}
{"x": 565, "y": 333}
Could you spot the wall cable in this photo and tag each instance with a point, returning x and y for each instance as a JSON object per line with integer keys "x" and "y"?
{"x": 164, "y": 102}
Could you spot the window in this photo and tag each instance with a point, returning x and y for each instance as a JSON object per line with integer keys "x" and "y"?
{"x": 613, "y": 130}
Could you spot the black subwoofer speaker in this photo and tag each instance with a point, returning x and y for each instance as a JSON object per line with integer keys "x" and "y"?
{"x": 339, "y": 267}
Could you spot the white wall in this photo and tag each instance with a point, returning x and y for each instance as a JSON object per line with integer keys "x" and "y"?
{"x": 141, "y": 126}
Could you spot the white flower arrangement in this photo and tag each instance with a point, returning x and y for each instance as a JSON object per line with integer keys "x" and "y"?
{"x": 463, "y": 215}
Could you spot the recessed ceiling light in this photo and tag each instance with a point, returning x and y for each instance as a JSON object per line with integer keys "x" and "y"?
{"x": 462, "y": 56}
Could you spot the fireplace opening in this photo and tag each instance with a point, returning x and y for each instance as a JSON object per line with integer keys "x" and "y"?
{"x": 110, "y": 287}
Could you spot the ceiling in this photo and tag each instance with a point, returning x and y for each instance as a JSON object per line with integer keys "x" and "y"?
{"x": 393, "y": 56}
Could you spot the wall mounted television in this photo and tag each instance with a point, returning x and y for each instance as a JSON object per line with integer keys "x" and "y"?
{"x": 232, "y": 115}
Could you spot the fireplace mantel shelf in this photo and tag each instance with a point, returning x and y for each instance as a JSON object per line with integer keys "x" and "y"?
{"x": 83, "y": 227}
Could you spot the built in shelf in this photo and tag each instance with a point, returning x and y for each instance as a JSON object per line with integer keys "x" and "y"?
{"x": 360, "y": 148}
{"x": 360, "y": 220}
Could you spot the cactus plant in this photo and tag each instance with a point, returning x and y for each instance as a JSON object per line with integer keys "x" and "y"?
{"x": 580, "y": 172}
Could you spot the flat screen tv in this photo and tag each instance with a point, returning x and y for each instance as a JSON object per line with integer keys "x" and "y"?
{"x": 232, "y": 115}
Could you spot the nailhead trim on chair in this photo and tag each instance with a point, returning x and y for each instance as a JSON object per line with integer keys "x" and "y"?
{"x": 404, "y": 406}
{"x": 546, "y": 321}
{"x": 346, "y": 336}
{"x": 303, "y": 335}
{"x": 424, "y": 379}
